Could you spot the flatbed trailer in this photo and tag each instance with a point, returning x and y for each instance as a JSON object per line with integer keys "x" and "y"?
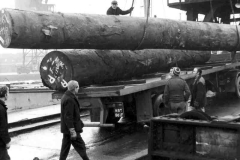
{"x": 142, "y": 99}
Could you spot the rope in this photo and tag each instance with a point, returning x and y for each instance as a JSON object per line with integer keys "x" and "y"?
{"x": 145, "y": 27}
{"x": 231, "y": 3}
{"x": 132, "y": 6}
{"x": 211, "y": 9}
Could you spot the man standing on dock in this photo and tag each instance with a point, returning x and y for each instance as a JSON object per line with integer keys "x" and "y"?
{"x": 4, "y": 135}
{"x": 198, "y": 100}
{"x": 176, "y": 92}
{"x": 71, "y": 124}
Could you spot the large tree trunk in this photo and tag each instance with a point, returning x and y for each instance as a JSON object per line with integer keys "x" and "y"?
{"x": 100, "y": 66}
{"x": 41, "y": 30}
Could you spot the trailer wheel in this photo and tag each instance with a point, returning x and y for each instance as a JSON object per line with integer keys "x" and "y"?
{"x": 158, "y": 106}
{"x": 196, "y": 115}
{"x": 237, "y": 86}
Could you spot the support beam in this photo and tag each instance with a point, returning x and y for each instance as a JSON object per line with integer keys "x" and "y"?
{"x": 41, "y": 30}
{"x": 90, "y": 67}
{"x": 233, "y": 56}
{"x": 192, "y": 15}
{"x": 211, "y": 14}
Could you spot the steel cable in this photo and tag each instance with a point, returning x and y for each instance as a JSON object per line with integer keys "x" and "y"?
{"x": 145, "y": 27}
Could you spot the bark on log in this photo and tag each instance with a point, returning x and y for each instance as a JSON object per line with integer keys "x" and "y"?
{"x": 101, "y": 66}
{"x": 39, "y": 30}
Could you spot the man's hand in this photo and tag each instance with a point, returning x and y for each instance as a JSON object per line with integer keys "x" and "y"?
{"x": 73, "y": 134}
{"x": 131, "y": 9}
{"x": 8, "y": 145}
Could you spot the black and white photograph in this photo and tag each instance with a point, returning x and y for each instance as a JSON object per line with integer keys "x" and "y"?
{"x": 120, "y": 80}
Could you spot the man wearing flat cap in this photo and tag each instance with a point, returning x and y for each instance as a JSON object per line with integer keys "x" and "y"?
{"x": 115, "y": 10}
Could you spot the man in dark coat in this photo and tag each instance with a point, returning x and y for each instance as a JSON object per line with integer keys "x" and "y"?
{"x": 115, "y": 10}
{"x": 4, "y": 135}
{"x": 198, "y": 89}
{"x": 71, "y": 124}
{"x": 176, "y": 92}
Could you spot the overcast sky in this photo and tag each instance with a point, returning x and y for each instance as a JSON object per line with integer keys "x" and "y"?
{"x": 159, "y": 8}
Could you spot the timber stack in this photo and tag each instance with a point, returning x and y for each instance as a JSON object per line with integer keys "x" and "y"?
{"x": 101, "y": 66}
{"x": 44, "y": 30}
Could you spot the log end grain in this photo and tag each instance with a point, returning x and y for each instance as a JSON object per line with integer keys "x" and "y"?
{"x": 56, "y": 70}
{"x": 5, "y": 29}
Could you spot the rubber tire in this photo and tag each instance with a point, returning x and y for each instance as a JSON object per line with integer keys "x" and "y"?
{"x": 196, "y": 115}
{"x": 157, "y": 100}
{"x": 237, "y": 84}
{"x": 159, "y": 108}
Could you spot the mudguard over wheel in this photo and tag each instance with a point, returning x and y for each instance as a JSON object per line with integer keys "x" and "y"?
{"x": 237, "y": 86}
{"x": 159, "y": 108}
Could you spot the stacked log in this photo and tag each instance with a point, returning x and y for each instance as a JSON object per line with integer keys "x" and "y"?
{"x": 42, "y": 30}
{"x": 100, "y": 66}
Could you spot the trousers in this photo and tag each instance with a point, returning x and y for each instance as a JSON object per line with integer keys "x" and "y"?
{"x": 78, "y": 145}
{"x": 178, "y": 107}
{"x": 4, "y": 154}
{"x": 190, "y": 108}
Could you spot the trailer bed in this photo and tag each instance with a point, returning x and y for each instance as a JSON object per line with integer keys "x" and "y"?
{"x": 160, "y": 80}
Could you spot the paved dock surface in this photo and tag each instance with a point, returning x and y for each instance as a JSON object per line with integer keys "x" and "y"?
{"x": 33, "y": 113}
{"x": 102, "y": 143}
{"x": 121, "y": 143}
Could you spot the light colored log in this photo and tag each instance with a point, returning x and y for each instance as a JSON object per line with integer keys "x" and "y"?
{"x": 42, "y": 30}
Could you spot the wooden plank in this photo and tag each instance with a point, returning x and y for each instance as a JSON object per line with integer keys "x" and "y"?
{"x": 100, "y": 89}
{"x": 202, "y": 67}
{"x": 130, "y": 82}
{"x": 99, "y": 94}
{"x": 58, "y": 95}
{"x": 153, "y": 75}
{"x": 218, "y": 64}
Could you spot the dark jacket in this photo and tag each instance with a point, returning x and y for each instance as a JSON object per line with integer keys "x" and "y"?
{"x": 70, "y": 113}
{"x": 198, "y": 90}
{"x": 117, "y": 11}
{"x": 176, "y": 90}
{"x": 4, "y": 136}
